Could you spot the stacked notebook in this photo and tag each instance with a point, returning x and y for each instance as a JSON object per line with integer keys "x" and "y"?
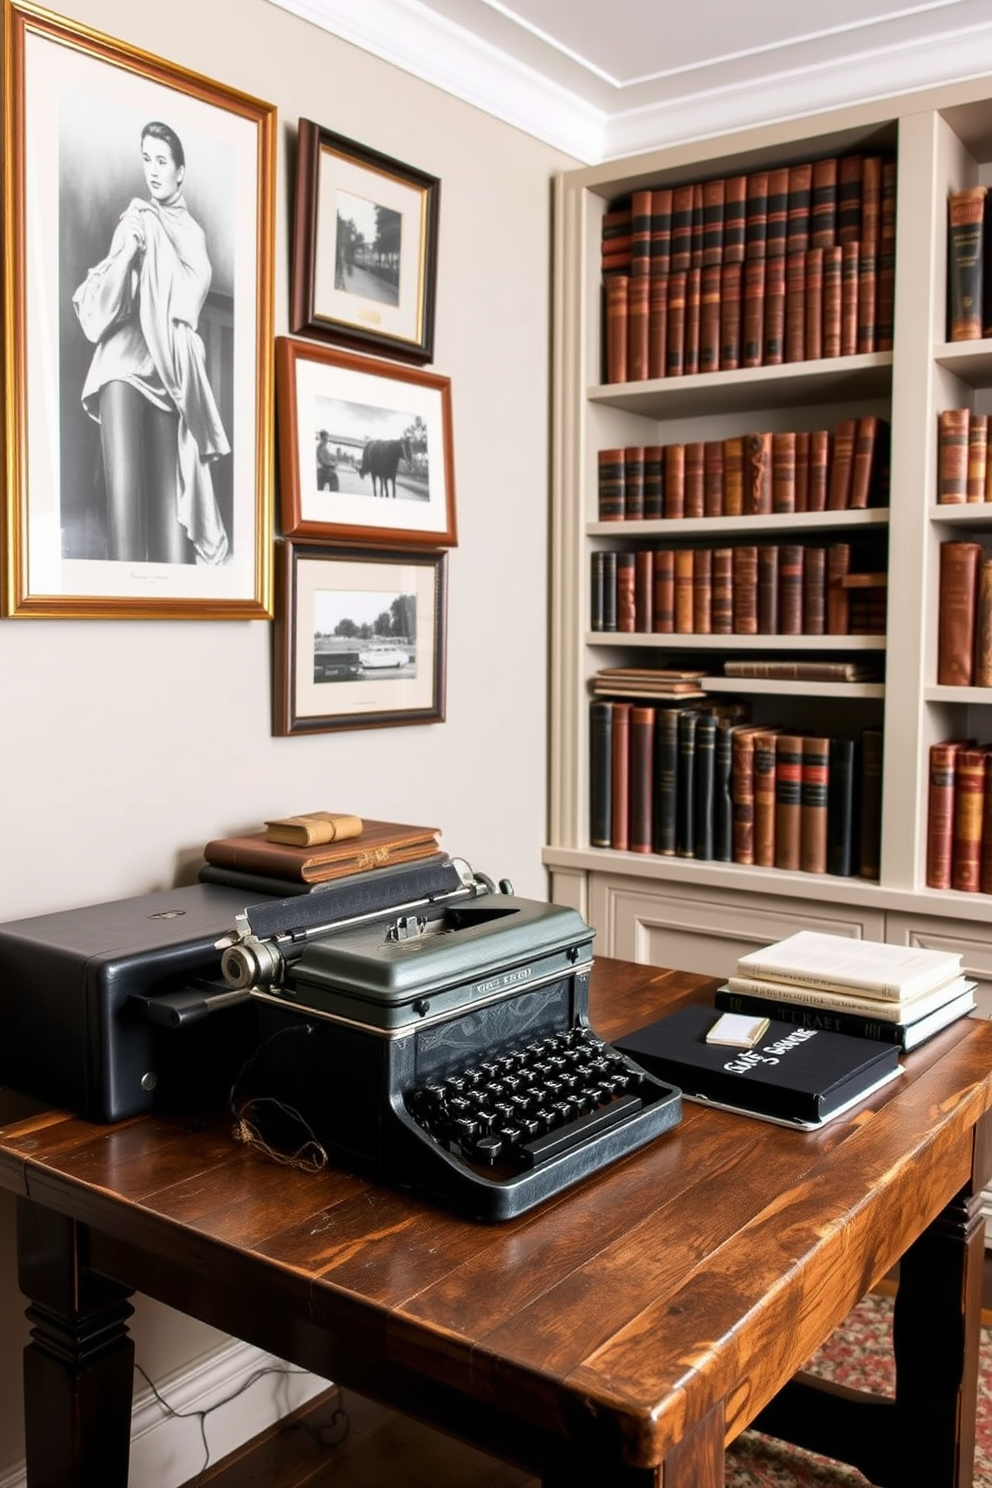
{"x": 893, "y": 994}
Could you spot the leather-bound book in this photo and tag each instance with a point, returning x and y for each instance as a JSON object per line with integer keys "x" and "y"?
{"x": 814, "y": 304}
{"x": 819, "y": 469}
{"x": 953, "y": 434}
{"x": 684, "y": 559}
{"x": 790, "y": 589}
{"x": 675, "y": 356}
{"x": 674, "y": 496}
{"x": 690, "y": 334}
{"x": 940, "y": 812}
{"x": 702, "y": 591}
{"x": 880, "y": 489}
{"x": 957, "y": 597}
{"x": 842, "y": 465}
{"x": 887, "y": 259}
{"x": 841, "y": 807}
{"x": 871, "y": 200}
{"x": 753, "y": 313}
{"x": 722, "y": 617}
{"x": 664, "y": 591}
{"x": 658, "y": 325}
{"x": 616, "y": 288}
{"x": 795, "y": 307}
{"x": 768, "y": 589}
{"x": 661, "y": 231}
{"x": 380, "y": 844}
{"x": 723, "y": 802}
{"x": 733, "y": 476}
{"x": 640, "y": 234}
{"x": 774, "y": 330}
{"x": 713, "y": 199}
{"x": 709, "y": 317}
{"x": 742, "y": 790}
{"x": 696, "y": 236}
{"x": 832, "y": 298}
{"x": 705, "y": 781}
{"x": 694, "y": 505}
{"x": 597, "y": 564}
{"x": 802, "y": 470}
{"x": 985, "y": 866}
{"x": 600, "y": 772}
{"x": 633, "y": 482}
{"x": 863, "y": 461}
{"x": 983, "y": 624}
{"x": 784, "y": 472}
{"x": 788, "y": 799}
{"x": 644, "y": 591}
{"x": 640, "y": 831}
{"x": 713, "y": 478}
{"x": 731, "y": 290}
{"x": 666, "y": 756}
{"x": 849, "y": 173}
{"x": 838, "y": 616}
{"x": 685, "y": 785}
{"x": 756, "y": 215}
{"x": 814, "y": 591}
{"x": 777, "y": 231}
{"x": 681, "y": 227}
{"x": 626, "y": 607}
{"x": 965, "y": 255}
{"x": 867, "y": 297}
{"x": 850, "y": 278}
{"x": 611, "y": 492}
{"x": 757, "y": 474}
{"x": 978, "y": 449}
{"x": 609, "y": 590}
{"x": 764, "y": 797}
{"x": 734, "y": 215}
{"x": 616, "y": 224}
{"x": 813, "y": 804}
{"x": 745, "y": 597}
{"x": 871, "y": 802}
{"x": 654, "y": 482}
{"x": 969, "y": 796}
{"x": 620, "y": 796}
{"x": 800, "y": 201}
{"x": 823, "y": 204}
{"x": 637, "y": 328}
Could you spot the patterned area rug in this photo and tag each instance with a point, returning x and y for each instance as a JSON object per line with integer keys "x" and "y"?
{"x": 859, "y": 1355}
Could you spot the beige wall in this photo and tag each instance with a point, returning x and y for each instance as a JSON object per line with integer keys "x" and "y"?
{"x": 125, "y": 745}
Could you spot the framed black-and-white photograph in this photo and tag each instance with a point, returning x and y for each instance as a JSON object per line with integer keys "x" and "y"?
{"x": 138, "y": 238}
{"x": 360, "y": 638}
{"x": 365, "y": 448}
{"x": 364, "y": 248}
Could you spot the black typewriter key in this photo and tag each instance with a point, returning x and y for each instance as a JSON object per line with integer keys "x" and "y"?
{"x": 486, "y": 1150}
{"x": 459, "y": 1106}
{"x": 465, "y": 1129}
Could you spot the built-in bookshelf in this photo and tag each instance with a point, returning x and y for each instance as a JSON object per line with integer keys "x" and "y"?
{"x": 704, "y": 914}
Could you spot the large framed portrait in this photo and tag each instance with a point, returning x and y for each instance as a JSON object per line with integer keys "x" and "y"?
{"x": 137, "y": 305}
{"x": 359, "y": 638}
{"x": 364, "y": 247}
{"x": 365, "y": 448}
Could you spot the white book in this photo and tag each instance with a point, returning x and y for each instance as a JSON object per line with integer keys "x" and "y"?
{"x": 837, "y": 963}
{"x": 906, "y": 1010}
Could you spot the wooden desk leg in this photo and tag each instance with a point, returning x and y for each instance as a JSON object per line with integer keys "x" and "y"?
{"x": 78, "y": 1369}
{"x": 696, "y": 1462}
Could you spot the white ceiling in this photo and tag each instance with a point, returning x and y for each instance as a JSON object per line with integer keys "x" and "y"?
{"x": 604, "y": 78}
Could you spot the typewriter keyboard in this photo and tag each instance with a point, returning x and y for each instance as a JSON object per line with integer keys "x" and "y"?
{"x": 528, "y": 1105}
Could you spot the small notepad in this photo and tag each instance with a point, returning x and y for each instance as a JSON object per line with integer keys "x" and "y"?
{"x": 738, "y": 1030}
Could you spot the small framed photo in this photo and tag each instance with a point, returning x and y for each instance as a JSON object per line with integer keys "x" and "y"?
{"x": 137, "y": 313}
{"x": 365, "y": 448}
{"x": 364, "y": 248}
{"x": 359, "y": 638}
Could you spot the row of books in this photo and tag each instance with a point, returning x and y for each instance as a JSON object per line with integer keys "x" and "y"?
{"x": 959, "y": 817}
{"x": 701, "y": 782}
{"x": 964, "y": 616}
{"x": 751, "y": 589}
{"x": 755, "y": 474}
{"x": 964, "y": 470}
{"x": 688, "y": 682}
{"x": 969, "y": 280}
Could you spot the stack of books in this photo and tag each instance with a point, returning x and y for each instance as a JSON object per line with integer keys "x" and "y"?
{"x": 254, "y": 861}
{"x": 892, "y": 994}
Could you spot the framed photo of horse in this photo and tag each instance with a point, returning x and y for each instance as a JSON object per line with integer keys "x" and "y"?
{"x": 138, "y": 275}
{"x": 364, "y": 266}
{"x": 365, "y": 448}
{"x": 359, "y": 638}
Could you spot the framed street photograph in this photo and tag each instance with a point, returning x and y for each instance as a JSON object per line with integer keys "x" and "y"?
{"x": 137, "y": 307}
{"x": 359, "y": 638}
{"x": 365, "y": 448}
{"x": 364, "y": 247}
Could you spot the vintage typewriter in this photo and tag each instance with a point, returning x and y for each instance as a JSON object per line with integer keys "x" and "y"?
{"x": 442, "y": 1043}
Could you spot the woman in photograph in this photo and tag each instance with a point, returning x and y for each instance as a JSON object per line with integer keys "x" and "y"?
{"x": 147, "y": 386}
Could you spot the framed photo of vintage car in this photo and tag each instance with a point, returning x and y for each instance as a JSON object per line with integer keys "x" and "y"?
{"x": 364, "y": 263}
{"x": 137, "y": 307}
{"x": 359, "y": 638}
{"x": 365, "y": 448}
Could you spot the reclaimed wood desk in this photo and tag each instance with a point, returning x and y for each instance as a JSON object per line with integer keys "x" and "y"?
{"x": 619, "y": 1335}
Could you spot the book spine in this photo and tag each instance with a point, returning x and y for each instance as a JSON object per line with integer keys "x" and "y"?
{"x": 805, "y": 1015}
{"x": 704, "y": 806}
{"x": 867, "y": 296}
{"x": 957, "y": 593}
{"x": 661, "y": 231}
{"x": 849, "y": 174}
{"x": 731, "y": 290}
{"x": 723, "y": 805}
{"x": 969, "y": 795}
{"x": 788, "y": 800}
{"x": 600, "y": 772}
{"x": 643, "y": 591}
{"x": 800, "y": 198}
{"x": 666, "y": 746}
{"x": 814, "y": 591}
{"x": 965, "y": 256}
{"x": 713, "y": 215}
{"x": 641, "y": 806}
{"x": 733, "y": 477}
{"x": 832, "y": 299}
{"x": 940, "y": 814}
{"x": 709, "y": 317}
{"x": 756, "y": 216}
{"x": 784, "y": 473}
{"x": 597, "y": 605}
{"x": 745, "y": 590}
{"x": 722, "y": 617}
{"x": 764, "y": 798}
{"x": 633, "y": 482}
{"x": 620, "y": 779}
{"x": 823, "y": 204}
{"x": 757, "y": 475}
{"x": 985, "y": 868}
{"x": 814, "y": 304}
{"x": 774, "y": 331}
{"x": 664, "y": 591}
{"x": 814, "y": 795}
{"x": 819, "y": 469}
{"x": 713, "y": 478}
{"x": 734, "y": 215}
{"x": 681, "y": 228}
{"x": 838, "y": 609}
{"x": 625, "y": 584}
{"x": 887, "y": 259}
{"x": 702, "y": 591}
{"x": 790, "y": 589}
{"x": 978, "y": 443}
{"x": 870, "y": 797}
{"x": 795, "y": 307}
{"x": 840, "y": 807}
{"x": 611, "y": 495}
{"x": 983, "y": 624}
{"x": 777, "y": 232}
{"x": 693, "y": 293}
{"x": 694, "y": 505}
{"x": 616, "y": 287}
{"x": 802, "y": 470}
{"x": 654, "y": 488}
{"x": 863, "y": 461}
{"x": 768, "y": 586}
{"x": 742, "y": 787}
{"x": 609, "y": 591}
{"x": 753, "y": 313}
{"x": 685, "y": 785}
{"x": 658, "y": 325}
{"x": 638, "y": 298}
{"x": 675, "y": 348}
{"x": 674, "y": 497}
{"x": 640, "y": 234}
{"x": 684, "y": 559}
{"x": 850, "y": 278}
{"x": 842, "y": 466}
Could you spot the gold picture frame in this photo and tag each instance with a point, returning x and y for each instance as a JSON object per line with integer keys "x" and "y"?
{"x": 146, "y": 186}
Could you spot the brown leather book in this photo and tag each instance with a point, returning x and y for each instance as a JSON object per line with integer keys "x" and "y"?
{"x": 753, "y": 313}
{"x": 777, "y": 232}
{"x": 690, "y": 334}
{"x": 953, "y": 426}
{"x": 832, "y": 299}
{"x": 978, "y": 445}
{"x": 850, "y": 278}
{"x": 784, "y": 472}
{"x": 788, "y": 800}
{"x": 867, "y": 297}
{"x": 842, "y": 465}
{"x": 814, "y": 304}
{"x": 313, "y": 828}
{"x": 756, "y": 216}
{"x": 640, "y": 234}
{"x": 733, "y": 476}
{"x": 654, "y": 482}
{"x": 713, "y": 478}
{"x": 722, "y": 616}
{"x": 802, "y": 470}
{"x": 626, "y": 606}
{"x": 683, "y": 591}
{"x": 957, "y": 596}
{"x": 871, "y": 200}
{"x": 870, "y": 837}
{"x": 863, "y": 461}
{"x": 709, "y": 317}
{"x": 610, "y": 477}
{"x": 664, "y": 591}
{"x": 768, "y": 589}
{"x": 985, "y": 869}
{"x": 813, "y": 804}
{"x": 940, "y": 813}
{"x": 643, "y": 591}
{"x": 734, "y": 213}
{"x": 764, "y": 797}
{"x": 637, "y": 328}
{"x": 774, "y": 331}
{"x": 713, "y": 201}
{"x": 965, "y": 253}
{"x": 640, "y": 809}
{"x": 675, "y": 355}
{"x": 757, "y": 474}
{"x": 838, "y": 609}
{"x": 823, "y": 204}
{"x": 731, "y": 289}
{"x": 814, "y": 591}
{"x": 696, "y": 236}
{"x": 694, "y": 477}
{"x": 887, "y": 259}
{"x": 790, "y": 589}
{"x": 969, "y": 799}
{"x": 661, "y": 231}
{"x": 658, "y": 325}
{"x": 742, "y": 793}
{"x": 849, "y": 173}
{"x": 681, "y": 227}
{"x": 633, "y": 482}
{"x": 795, "y": 307}
{"x": 819, "y": 469}
{"x": 674, "y": 497}
{"x": 800, "y": 200}
{"x": 983, "y": 624}
{"x": 702, "y": 591}
{"x": 616, "y": 288}
{"x": 745, "y": 598}
{"x": 620, "y": 792}
{"x": 381, "y": 844}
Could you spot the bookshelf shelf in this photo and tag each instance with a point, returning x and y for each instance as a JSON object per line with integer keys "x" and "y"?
{"x": 810, "y": 644}
{"x": 672, "y": 529}
{"x": 774, "y": 686}
{"x": 793, "y": 385}
{"x": 980, "y": 697}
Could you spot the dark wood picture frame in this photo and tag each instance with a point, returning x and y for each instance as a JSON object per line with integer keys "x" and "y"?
{"x": 373, "y": 295}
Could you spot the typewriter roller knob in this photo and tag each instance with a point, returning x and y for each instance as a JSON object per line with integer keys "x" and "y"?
{"x": 251, "y": 962}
